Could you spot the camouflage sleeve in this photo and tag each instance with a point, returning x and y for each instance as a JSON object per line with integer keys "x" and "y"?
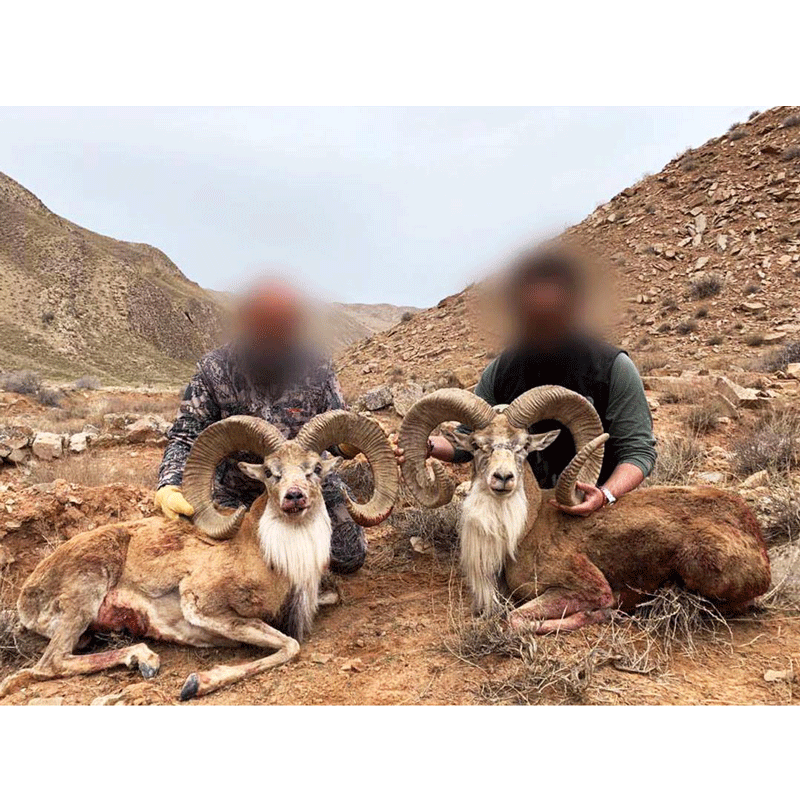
{"x": 197, "y": 411}
{"x": 331, "y": 397}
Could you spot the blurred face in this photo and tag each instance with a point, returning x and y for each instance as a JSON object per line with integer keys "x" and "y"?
{"x": 547, "y": 310}
{"x": 271, "y": 322}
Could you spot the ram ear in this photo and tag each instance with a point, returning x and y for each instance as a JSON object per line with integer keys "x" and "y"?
{"x": 254, "y": 471}
{"x": 540, "y": 441}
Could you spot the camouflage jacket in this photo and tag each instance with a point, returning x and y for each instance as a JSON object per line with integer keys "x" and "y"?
{"x": 222, "y": 388}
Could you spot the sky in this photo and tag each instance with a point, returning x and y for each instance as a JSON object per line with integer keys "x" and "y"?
{"x": 399, "y": 205}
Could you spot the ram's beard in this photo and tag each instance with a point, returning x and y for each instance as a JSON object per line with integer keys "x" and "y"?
{"x": 491, "y": 529}
{"x": 300, "y": 551}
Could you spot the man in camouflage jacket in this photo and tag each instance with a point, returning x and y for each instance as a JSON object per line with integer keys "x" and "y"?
{"x": 287, "y": 395}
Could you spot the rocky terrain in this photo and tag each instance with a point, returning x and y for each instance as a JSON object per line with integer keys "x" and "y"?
{"x": 704, "y": 258}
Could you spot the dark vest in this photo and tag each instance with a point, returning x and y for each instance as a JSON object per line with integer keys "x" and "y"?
{"x": 584, "y": 366}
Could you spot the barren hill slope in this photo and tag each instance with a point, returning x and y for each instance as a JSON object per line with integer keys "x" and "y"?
{"x": 706, "y": 256}
{"x": 73, "y": 302}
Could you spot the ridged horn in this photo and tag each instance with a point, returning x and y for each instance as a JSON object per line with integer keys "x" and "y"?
{"x": 231, "y": 435}
{"x": 578, "y": 414}
{"x": 441, "y": 406}
{"x": 345, "y": 427}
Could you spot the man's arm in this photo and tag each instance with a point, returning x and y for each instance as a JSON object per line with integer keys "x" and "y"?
{"x": 630, "y": 429}
{"x": 197, "y": 411}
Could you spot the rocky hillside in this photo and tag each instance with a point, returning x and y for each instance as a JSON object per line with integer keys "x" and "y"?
{"x": 73, "y": 303}
{"x": 705, "y": 256}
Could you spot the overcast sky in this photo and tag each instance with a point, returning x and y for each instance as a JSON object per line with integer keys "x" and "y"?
{"x": 400, "y": 205}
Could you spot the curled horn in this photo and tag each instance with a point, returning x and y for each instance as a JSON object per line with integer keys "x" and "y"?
{"x": 345, "y": 427}
{"x": 440, "y": 406}
{"x": 231, "y": 435}
{"x": 577, "y": 413}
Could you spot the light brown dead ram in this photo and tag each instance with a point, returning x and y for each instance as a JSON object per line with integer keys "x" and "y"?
{"x": 563, "y": 571}
{"x": 247, "y": 577}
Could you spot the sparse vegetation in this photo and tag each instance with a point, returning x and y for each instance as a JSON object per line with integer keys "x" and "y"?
{"x": 407, "y": 316}
{"x": 437, "y": 527}
{"x": 771, "y": 444}
{"x": 715, "y": 340}
{"x": 677, "y": 457}
{"x": 23, "y": 382}
{"x": 88, "y": 382}
{"x": 686, "y": 326}
{"x": 707, "y": 286}
{"x": 753, "y": 114}
{"x": 791, "y": 121}
{"x": 781, "y": 358}
{"x": 754, "y": 339}
{"x": 752, "y": 288}
{"x": 791, "y": 153}
{"x": 701, "y": 313}
{"x": 647, "y": 362}
{"x": 49, "y": 397}
{"x": 704, "y": 418}
{"x": 737, "y": 132}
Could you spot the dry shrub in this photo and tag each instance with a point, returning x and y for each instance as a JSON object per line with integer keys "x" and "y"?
{"x": 701, "y": 313}
{"x": 780, "y": 358}
{"x": 791, "y": 121}
{"x": 407, "y": 316}
{"x": 686, "y": 326}
{"x": 647, "y": 362}
{"x": 709, "y": 285}
{"x": 791, "y": 153}
{"x": 677, "y": 457}
{"x": 88, "y": 382}
{"x": 704, "y": 418}
{"x": 437, "y": 527}
{"x": 754, "y": 339}
{"x": 782, "y": 523}
{"x": 737, "y": 133}
{"x": 51, "y": 398}
{"x": 771, "y": 444}
{"x": 715, "y": 340}
{"x": 752, "y": 288}
{"x": 567, "y": 669}
{"x": 24, "y": 382}
{"x": 18, "y": 647}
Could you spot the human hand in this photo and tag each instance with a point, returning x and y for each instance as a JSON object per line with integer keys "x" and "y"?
{"x": 171, "y": 503}
{"x": 593, "y": 500}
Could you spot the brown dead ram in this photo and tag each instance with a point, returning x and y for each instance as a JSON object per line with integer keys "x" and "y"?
{"x": 562, "y": 571}
{"x": 247, "y": 577}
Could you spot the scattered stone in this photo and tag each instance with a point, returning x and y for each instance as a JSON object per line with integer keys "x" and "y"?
{"x": 793, "y": 371}
{"x": 78, "y": 442}
{"x": 320, "y": 658}
{"x": 150, "y": 428}
{"x": 405, "y": 395}
{"x": 711, "y": 477}
{"x": 377, "y": 399}
{"x": 47, "y": 446}
{"x": 352, "y": 665}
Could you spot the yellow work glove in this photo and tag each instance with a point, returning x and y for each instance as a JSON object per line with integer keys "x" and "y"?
{"x": 170, "y": 502}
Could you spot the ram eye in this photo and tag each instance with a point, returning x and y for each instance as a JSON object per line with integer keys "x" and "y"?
{"x": 267, "y": 472}
{"x": 318, "y": 469}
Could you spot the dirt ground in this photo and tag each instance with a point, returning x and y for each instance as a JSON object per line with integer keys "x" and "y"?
{"x": 397, "y": 637}
{"x": 394, "y": 640}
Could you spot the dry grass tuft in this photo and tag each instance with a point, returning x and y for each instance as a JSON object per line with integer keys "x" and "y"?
{"x": 771, "y": 444}
{"x": 677, "y": 457}
{"x": 707, "y": 286}
{"x": 647, "y": 362}
{"x": 97, "y": 468}
{"x": 704, "y": 418}
{"x": 437, "y": 527}
{"x": 568, "y": 669}
{"x": 18, "y": 647}
{"x": 784, "y": 594}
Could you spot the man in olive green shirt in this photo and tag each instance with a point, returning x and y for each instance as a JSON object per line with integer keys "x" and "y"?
{"x": 546, "y": 293}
